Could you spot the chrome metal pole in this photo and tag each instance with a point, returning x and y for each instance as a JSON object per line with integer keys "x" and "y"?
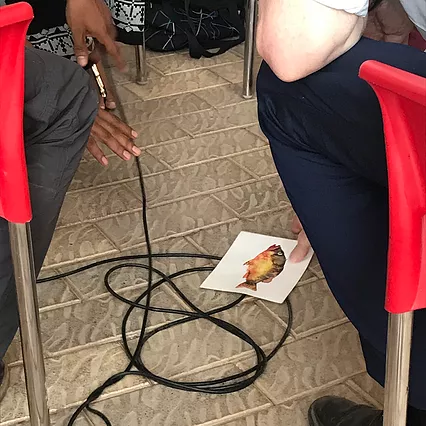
{"x": 248, "y": 78}
{"x": 398, "y": 355}
{"x": 140, "y": 52}
{"x": 25, "y": 279}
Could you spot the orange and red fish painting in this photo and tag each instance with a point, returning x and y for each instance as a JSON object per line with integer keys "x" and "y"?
{"x": 264, "y": 267}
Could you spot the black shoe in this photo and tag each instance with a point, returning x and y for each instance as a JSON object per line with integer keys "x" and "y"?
{"x": 334, "y": 411}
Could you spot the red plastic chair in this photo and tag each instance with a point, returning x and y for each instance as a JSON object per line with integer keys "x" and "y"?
{"x": 402, "y": 97}
{"x": 15, "y": 204}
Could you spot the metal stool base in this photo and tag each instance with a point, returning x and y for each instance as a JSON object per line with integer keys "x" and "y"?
{"x": 23, "y": 263}
{"x": 398, "y": 368}
{"x": 248, "y": 78}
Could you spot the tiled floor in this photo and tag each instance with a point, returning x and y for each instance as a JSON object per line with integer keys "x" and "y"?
{"x": 209, "y": 175}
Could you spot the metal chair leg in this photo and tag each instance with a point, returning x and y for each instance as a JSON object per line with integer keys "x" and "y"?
{"x": 23, "y": 262}
{"x": 398, "y": 368}
{"x": 140, "y": 52}
{"x": 248, "y": 78}
{"x": 141, "y": 68}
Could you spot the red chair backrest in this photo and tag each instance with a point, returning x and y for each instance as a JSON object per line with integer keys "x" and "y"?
{"x": 14, "y": 194}
{"x": 402, "y": 97}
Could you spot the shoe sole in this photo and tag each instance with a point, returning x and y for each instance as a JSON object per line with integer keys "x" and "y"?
{"x": 313, "y": 419}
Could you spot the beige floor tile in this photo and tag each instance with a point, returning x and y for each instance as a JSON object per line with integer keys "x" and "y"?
{"x": 203, "y": 299}
{"x": 276, "y": 223}
{"x": 160, "y": 132}
{"x": 238, "y": 50}
{"x": 75, "y": 243}
{"x": 97, "y": 203}
{"x": 129, "y": 77}
{"x": 54, "y": 294}
{"x": 181, "y": 63}
{"x": 234, "y": 72}
{"x": 177, "y": 218}
{"x": 255, "y": 197}
{"x": 128, "y": 53}
{"x": 366, "y": 384}
{"x": 175, "y": 84}
{"x": 166, "y": 407}
{"x": 316, "y": 268}
{"x": 90, "y": 283}
{"x": 97, "y": 320}
{"x": 14, "y": 353}
{"x": 70, "y": 378}
{"x": 311, "y": 363}
{"x": 126, "y": 96}
{"x": 314, "y": 309}
{"x": 164, "y": 108}
{"x": 259, "y": 162}
{"x": 216, "y": 240}
{"x": 257, "y": 131}
{"x": 92, "y": 174}
{"x": 240, "y": 115}
{"x": 294, "y": 413}
{"x": 222, "y": 96}
{"x": 209, "y": 147}
{"x": 196, "y": 179}
{"x": 61, "y": 418}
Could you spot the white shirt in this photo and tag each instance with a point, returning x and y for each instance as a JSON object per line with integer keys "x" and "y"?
{"x": 416, "y": 9}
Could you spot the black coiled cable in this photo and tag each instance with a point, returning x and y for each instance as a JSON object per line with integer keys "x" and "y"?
{"x": 136, "y": 367}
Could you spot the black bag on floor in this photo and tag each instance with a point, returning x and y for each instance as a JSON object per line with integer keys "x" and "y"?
{"x": 200, "y": 25}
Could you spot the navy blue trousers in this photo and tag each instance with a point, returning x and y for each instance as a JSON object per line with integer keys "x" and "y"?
{"x": 326, "y": 137}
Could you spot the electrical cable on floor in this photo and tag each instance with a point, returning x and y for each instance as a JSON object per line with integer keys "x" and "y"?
{"x": 136, "y": 366}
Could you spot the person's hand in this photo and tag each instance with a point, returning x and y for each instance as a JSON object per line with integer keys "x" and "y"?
{"x": 389, "y": 22}
{"x": 303, "y": 244}
{"x": 92, "y": 18}
{"x": 109, "y": 130}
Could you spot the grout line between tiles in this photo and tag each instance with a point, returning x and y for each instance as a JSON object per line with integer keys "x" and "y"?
{"x": 265, "y": 212}
{"x": 220, "y": 158}
{"x": 225, "y": 82}
{"x": 61, "y": 305}
{"x": 300, "y": 395}
{"x": 211, "y": 132}
{"x": 171, "y": 117}
{"x": 107, "y": 184}
{"x": 209, "y": 67}
{"x": 100, "y": 230}
{"x": 358, "y": 390}
{"x": 182, "y": 234}
{"x": 320, "y": 329}
{"x": 308, "y": 281}
{"x": 236, "y": 416}
{"x": 246, "y": 169}
{"x": 226, "y": 206}
{"x": 93, "y": 257}
{"x": 272, "y": 314}
{"x": 118, "y": 291}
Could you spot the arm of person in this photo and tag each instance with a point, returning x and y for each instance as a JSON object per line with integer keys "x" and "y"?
{"x": 299, "y": 37}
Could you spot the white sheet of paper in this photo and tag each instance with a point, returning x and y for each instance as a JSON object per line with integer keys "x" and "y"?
{"x": 230, "y": 271}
